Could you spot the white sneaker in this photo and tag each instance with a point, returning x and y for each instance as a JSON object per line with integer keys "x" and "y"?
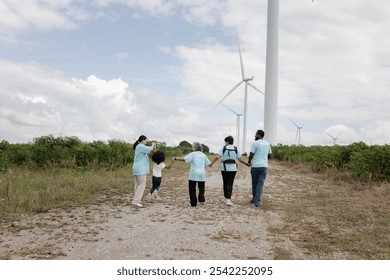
{"x": 137, "y": 204}
{"x": 229, "y": 202}
{"x": 155, "y": 195}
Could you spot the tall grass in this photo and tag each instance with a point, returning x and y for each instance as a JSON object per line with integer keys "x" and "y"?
{"x": 38, "y": 190}
{"x": 337, "y": 219}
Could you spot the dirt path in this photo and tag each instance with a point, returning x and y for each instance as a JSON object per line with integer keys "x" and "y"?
{"x": 166, "y": 229}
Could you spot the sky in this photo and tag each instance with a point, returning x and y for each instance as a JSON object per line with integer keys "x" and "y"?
{"x": 117, "y": 69}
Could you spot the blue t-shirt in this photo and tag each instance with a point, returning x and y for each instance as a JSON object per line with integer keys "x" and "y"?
{"x": 260, "y": 149}
{"x": 141, "y": 160}
{"x": 229, "y": 154}
{"x": 198, "y": 161}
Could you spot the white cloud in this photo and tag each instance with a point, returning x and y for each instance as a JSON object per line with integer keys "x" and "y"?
{"x": 45, "y": 15}
{"x": 39, "y": 101}
{"x": 91, "y": 109}
{"x": 333, "y": 71}
{"x": 122, "y": 56}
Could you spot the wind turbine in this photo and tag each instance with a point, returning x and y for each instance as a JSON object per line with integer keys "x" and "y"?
{"x": 247, "y": 83}
{"x": 299, "y": 127}
{"x": 237, "y": 124}
{"x": 271, "y": 72}
{"x": 334, "y": 137}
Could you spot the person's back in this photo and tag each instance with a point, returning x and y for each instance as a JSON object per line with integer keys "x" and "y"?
{"x": 198, "y": 161}
{"x": 261, "y": 150}
{"x": 258, "y": 160}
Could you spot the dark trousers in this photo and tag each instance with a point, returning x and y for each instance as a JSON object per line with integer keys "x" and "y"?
{"x": 258, "y": 178}
{"x": 156, "y": 183}
{"x": 228, "y": 180}
{"x": 192, "y": 191}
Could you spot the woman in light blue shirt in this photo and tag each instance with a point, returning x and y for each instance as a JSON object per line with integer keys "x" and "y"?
{"x": 197, "y": 175}
{"x": 140, "y": 168}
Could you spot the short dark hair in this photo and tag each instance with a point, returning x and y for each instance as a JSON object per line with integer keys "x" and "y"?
{"x": 260, "y": 133}
{"x": 229, "y": 139}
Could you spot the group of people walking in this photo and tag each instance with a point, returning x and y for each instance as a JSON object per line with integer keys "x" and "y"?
{"x": 228, "y": 154}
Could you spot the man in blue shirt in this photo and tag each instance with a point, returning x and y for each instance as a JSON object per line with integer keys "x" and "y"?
{"x": 258, "y": 160}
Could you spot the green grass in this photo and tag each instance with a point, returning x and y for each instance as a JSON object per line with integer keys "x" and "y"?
{"x": 345, "y": 217}
{"x": 39, "y": 190}
{"x": 23, "y": 190}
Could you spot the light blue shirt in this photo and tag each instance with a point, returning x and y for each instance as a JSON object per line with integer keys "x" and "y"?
{"x": 141, "y": 160}
{"x": 260, "y": 149}
{"x": 229, "y": 154}
{"x": 198, "y": 161}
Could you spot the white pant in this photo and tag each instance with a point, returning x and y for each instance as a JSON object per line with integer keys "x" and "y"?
{"x": 139, "y": 188}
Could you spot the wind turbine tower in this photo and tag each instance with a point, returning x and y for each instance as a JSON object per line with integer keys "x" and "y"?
{"x": 271, "y": 73}
{"x": 299, "y": 128}
{"x": 247, "y": 83}
{"x": 238, "y": 121}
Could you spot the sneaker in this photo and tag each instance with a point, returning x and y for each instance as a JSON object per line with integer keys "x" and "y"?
{"x": 155, "y": 195}
{"x": 150, "y": 196}
{"x": 137, "y": 204}
{"x": 229, "y": 202}
{"x": 202, "y": 203}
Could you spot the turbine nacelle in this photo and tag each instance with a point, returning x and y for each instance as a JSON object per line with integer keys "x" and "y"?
{"x": 248, "y": 79}
{"x": 247, "y": 82}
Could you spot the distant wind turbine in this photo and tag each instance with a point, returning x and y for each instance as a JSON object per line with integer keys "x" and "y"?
{"x": 334, "y": 137}
{"x": 247, "y": 83}
{"x": 299, "y": 127}
{"x": 237, "y": 125}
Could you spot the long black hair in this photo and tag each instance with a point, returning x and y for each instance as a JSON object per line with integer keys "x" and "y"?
{"x": 141, "y": 138}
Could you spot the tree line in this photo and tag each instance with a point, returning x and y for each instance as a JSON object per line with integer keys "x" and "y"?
{"x": 361, "y": 160}
{"x": 71, "y": 152}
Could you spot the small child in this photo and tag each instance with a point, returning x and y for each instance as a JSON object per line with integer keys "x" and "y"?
{"x": 158, "y": 158}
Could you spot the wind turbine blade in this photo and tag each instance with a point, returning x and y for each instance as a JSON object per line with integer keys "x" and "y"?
{"x": 339, "y": 134}
{"x": 241, "y": 62}
{"x": 251, "y": 85}
{"x": 330, "y": 136}
{"x": 236, "y": 86}
{"x": 294, "y": 123}
{"x": 230, "y": 109}
{"x": 304, "y": 123}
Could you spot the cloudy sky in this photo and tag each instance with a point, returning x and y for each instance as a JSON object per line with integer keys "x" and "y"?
{"x": 115, "y": 69}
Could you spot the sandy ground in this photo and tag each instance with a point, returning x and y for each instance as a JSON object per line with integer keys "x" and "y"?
{"x": 113, "y": 229}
